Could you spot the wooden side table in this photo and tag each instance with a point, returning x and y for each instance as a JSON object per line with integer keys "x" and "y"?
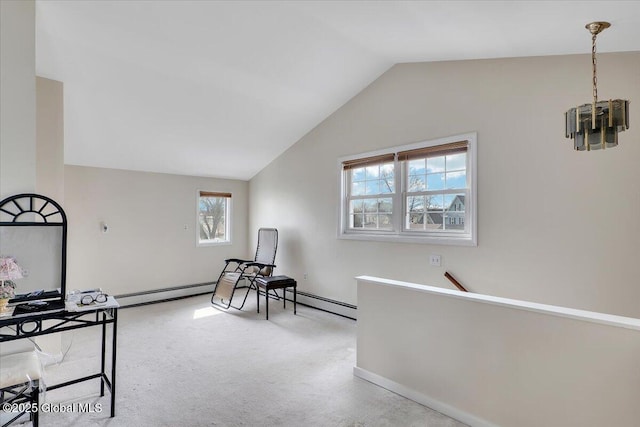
{"x": 272, "y": 283}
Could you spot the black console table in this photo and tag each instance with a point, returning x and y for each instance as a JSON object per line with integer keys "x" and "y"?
{"x": 33, "y": 229}
{"x": 24, "y": 327}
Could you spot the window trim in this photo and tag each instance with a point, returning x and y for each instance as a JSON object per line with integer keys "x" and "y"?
{"x": 228, "y": 218}
{"x": 399, "y": 234}
{"x": 371, "y": 196}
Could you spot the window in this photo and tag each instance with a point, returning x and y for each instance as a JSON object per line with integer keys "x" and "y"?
{"x": 422, "y": 193}
{"x": 214, "y": 218}
{"x": 371, "y": 187}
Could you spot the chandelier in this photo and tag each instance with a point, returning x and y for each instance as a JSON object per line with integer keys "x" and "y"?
{"x": 596, "y": 125}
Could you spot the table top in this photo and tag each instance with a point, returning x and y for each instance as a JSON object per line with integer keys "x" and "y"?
{"x": 23, "y": 326}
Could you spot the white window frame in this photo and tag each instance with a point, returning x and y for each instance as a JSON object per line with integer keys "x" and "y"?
{"x": 228, "y": 220}
{"x": 398, "y": 232}
{"x": 372, "y": 196}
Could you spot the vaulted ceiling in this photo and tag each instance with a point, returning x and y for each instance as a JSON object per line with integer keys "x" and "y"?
{"x": 221, "y": 88}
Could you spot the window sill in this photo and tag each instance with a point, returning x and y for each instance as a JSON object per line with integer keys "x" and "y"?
{"x": 463, "y": 240}
{"x": 209, "y": 243}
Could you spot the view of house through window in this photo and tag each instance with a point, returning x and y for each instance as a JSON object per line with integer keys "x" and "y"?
{"x": 436, "y": 192}
{"x": 418, "y": 191}
{"x": 213, "y": 217}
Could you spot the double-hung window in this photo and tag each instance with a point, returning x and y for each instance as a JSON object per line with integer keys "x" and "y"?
{"x": 213, "y": 218}
{"x": 423, "y": 193}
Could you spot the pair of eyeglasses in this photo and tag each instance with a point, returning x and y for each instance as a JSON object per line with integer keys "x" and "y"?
{"x": 90, "y": 299}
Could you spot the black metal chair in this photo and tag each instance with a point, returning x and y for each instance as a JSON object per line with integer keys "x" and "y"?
{"x": 20, "y": 386}
{"x": 239, "y": 273}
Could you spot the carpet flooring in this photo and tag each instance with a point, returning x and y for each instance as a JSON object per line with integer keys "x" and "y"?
{"x": 185, "y": 363}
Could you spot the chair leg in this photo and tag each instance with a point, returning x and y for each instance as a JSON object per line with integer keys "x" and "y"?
{"x": 267, "y": 301}
{"x": 35, "y": 397}
{"x": 258, "y": 299}
{"x": 251, "y": 286}
{"x": 21, "y": 394}
{"x": 220, "y": 304}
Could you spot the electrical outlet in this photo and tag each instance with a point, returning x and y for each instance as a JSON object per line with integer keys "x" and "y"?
{"x": 305, "y": 276}
{"x": 435, "y": 260}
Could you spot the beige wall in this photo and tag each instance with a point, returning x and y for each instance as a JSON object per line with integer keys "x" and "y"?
{"x": 555, "y": 226}
{"x": 147, "y": 246}
{"x": 50, "y": 139}
{"x": 17, "y": 98}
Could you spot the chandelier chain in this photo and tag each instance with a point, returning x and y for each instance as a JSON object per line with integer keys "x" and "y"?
{"x": 594, "y": 62}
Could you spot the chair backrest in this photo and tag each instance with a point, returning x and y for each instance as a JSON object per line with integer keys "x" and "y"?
{"x": 267, "y": 246}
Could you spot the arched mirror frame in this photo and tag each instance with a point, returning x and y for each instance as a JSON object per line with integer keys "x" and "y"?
{"x": 35, "y": 210}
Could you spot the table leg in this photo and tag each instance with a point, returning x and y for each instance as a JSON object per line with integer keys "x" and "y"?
{"x": 113, "y": 363}
{"x": 102, "y": 359}
{"x": 35, "y": 395}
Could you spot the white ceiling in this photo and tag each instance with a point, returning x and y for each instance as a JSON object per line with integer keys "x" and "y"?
{"x": 220, "y": 89}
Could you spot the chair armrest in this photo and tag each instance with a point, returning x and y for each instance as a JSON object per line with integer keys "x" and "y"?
{"x": 261, "y": 265}
{"x": 239, "y": 261}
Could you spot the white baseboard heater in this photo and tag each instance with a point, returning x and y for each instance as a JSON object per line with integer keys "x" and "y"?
{"x": 165, "y": 294}
{"x": 177, "y": 292}
{"x": 332, "y": 306}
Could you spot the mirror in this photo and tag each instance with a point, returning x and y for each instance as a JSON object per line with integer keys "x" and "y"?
{"x": 33, "y": 230}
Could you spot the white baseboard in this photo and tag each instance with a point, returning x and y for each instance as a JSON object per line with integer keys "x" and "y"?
{"x": 422, "y": 399}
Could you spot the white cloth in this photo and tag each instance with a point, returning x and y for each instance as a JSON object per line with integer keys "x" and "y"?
{"x": 19, "y": 368}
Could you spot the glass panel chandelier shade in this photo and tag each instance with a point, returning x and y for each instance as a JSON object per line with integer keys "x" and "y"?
{"x": 596, "y": 125}
{"x": 611, "y": 117}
